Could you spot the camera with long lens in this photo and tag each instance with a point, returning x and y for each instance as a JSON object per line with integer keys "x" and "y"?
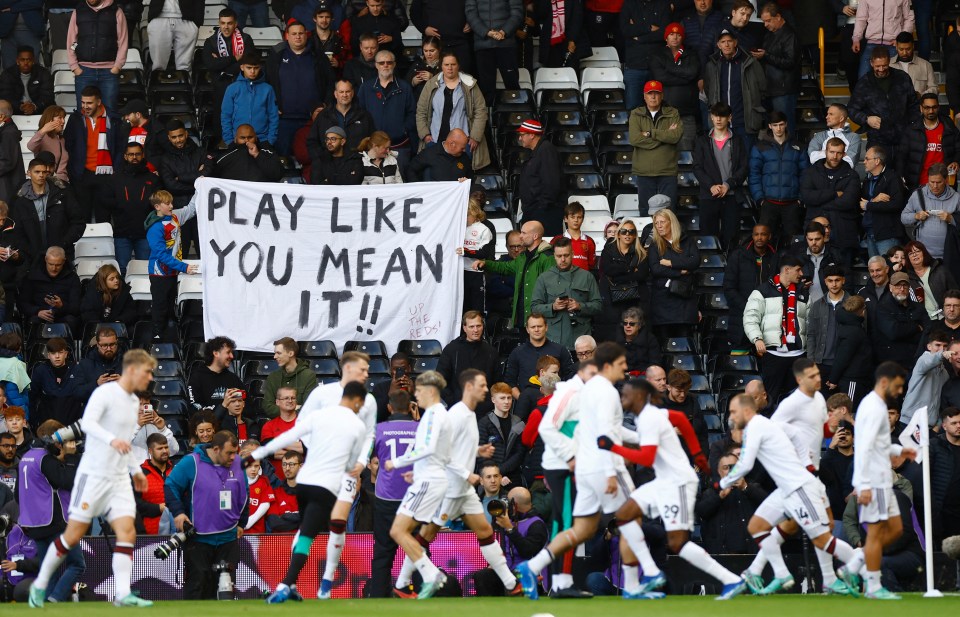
{"x": 222, "y": 569}
{"x": 176, "y": 541}
{"x": 67, "y": 433}
{"x": 498, "y": 507}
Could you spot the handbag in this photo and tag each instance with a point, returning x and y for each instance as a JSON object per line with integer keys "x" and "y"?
{"x": 624, "y": 292}
{"x": 682, "y": 287}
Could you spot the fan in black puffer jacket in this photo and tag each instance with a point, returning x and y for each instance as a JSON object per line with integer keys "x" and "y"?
{"x": 461, "y": 354}
{"x": 121, "y": 308}
{"x": 894, "y": 102}
{"x": 913, "y": 148}
{"x": 853, "y": 362}
{"x": 133, "y": 184}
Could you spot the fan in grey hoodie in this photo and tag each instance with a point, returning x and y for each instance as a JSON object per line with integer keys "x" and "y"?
{"x": 929, "y": 375}
{"x": 936, "y": 212}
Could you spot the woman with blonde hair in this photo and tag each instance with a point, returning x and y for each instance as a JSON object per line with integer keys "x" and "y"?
{"x": 379, "y": 162}
{"x": 674, "y": 257}
{"x": 478, "y": 243}
{"x": 50, "y": 139}
{"x": 625, "y": 271}
{"x": 107, "y": 299}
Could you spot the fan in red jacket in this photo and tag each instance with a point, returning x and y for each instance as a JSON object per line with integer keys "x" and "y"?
{"x": 151, "y": 503}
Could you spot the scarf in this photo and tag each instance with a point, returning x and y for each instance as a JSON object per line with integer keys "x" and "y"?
{"x": 104, "y": 160}
{"x": 237, "y": 41}
{"x": 558, "y": 28}
{"x": 788, "y": 322}
{"x": 677, "y": 56}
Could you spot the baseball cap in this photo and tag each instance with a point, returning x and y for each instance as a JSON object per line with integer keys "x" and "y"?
{"x": 653, "y": 86}
{"x": 899, "y": 277}
{"x": 134, "y": 106}
{"x": 323, "y": 7}
{"x": 727, "y": 32}
{"x": 336, "y": 130}
{"x": 531, "y": 127}
{"x": 674, "y": 28}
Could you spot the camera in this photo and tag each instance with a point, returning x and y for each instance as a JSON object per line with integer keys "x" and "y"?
{"x": 5, "y": 524}
{"x": 67, "y": 433}
{"x": 224, "y": 582}
{"x": 498, "y": 507}
{"x": 176, "y": 541}
{"x": 240, "y": 394}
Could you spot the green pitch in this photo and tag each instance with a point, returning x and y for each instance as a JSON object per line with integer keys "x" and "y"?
{"x": 677, "y": 606}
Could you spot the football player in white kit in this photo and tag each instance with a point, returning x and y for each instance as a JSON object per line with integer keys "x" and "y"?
{"x": 805, "y": 410}
{"x": 798, "y": 491}
{"x": 102, "y": 486}
{"x": 602, "y": 479}
{"x": 461, "y": 498}
{"x": 354, "y": 366}
{"x": 429, "y": 456}
{"x": 873, "y": 478}
{"x": 671, "y": 496}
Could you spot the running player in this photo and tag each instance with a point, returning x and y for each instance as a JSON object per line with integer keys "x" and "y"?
{"x": 461, "y": 498}
{"x": 429, "y": 456}
{"x": 671, "y": 496}
{"x": 873, "y": 478}
{"x": 602, "y": 479}
{"x": 559, "y": 460}
{"x": 354, "y": 366}
{"x": 102, "y": 486}
{"x": 334, "y": 438}
{"x": 802, "y": 496}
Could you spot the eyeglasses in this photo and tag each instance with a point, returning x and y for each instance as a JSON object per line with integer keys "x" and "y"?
{"x": 627, "y": 232}
{"x": 334, "y": 138}
{"x": 289, "y": 465}
{"x": 929, "y": 107}
{"x": 585, "y": 354}
{"x": 629, "y": 323}
{"x": 385, "y": 62}
{"x": 8, "y": 445}
{"x": 514, "y": 247}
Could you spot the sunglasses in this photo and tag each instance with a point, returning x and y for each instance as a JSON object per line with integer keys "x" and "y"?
{"x": 627, "y": 232}
{"x": 629, "y": 323}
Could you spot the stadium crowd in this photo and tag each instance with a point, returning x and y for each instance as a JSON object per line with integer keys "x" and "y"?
{"x": 744, "y": 225}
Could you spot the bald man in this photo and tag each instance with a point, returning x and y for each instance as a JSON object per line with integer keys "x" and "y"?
{"x": 443, "y": 162}
{"x": 248, "y": 159}
{"x": 537, "y": 257}
{"x": 524, "y": 533}
{"x": 657, "y": 378}
{"x": 758, "y": 393}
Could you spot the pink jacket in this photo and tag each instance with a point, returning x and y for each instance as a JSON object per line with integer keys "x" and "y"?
{"x": 880, "y": 21}
{"x": 44, "y": 142}
{"x": 122, "y": 42}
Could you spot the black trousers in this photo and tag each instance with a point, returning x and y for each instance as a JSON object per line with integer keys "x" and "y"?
{"x": 384, "y": 548}
{"x": 163, "y": 293}
{"x": 488, "y": 61}
{"x": 199, "y": 579}
{"x": 784, "y": 220}
{"x": 316, "y": 503}
{"x": 712, "y": 211}
{"x": 95, "y": 196}
{"x": 777, "y": 375}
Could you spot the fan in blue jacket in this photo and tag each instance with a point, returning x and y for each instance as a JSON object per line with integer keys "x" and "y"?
{"x": 776, "y": 163}
{"x": 250, "y": 100}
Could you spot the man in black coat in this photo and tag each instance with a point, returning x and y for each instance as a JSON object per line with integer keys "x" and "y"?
{"x": 815, "y": 255}
{"x": 748, "y": 266}
{"x": 780, "y": 57}
{"x": 446, "y": 163}
{"x": 182, "y": 163}
{"x": 945, "y": 474}
{"x": 62, "y": 224}
{"x": 721, "y": 165}
{"x": 933, "y": 135}
{"x": 221, "y": 54}
{"x": 11, "y": 160}
{"x": 882, "y": 199}
{"x": 884, "y": 102}
{"x": 357, "y": 123}
{"x": 378, "y": 21}
{"x": 336, "y": 166}
{"x": 133, "y": 184}
{"x": 643, "y": 24}
{"x": 876, "y": 289}
{"x": 103, "y": 364}
{"x": 724, "y": 513}
{"x": 38, "y": 93}
{"x": 542, "y": 185}
{"x": 446, "y": 20}
{"x": 248, "y": 159}
{"x": 468, "y": 351}
{"x": 678, "y": 69}
{"x": 900, "y": 323}
{"x": 831, "y": 188}
{"x": 51, "y": 291}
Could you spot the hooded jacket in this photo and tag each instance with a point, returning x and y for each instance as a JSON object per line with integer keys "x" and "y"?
{"x": 880, "y": 21}
{"x": 132, "y": 187}
{"x": 742, "y": 80}
{"x": 163, "y": 235}
{"x": 815, "y": 149}
{"x": 707, "y": 170}
{"x": 461, "y": 354}
{"x": 818, "y": 324}
{"x": 543, "y": 188}
{"x": 486, "y": 15}
{"x": 387, "y": 172}
{"x": 818, "y": 190}
{"x": 64, "y": 224}
{"x": 83, "y": 378}
{"x": 526, "y": 269}
{"x": 939, "y": 279}
{"x": 223, "y": 67}
{"x": 898, "y": 329}
{"x": 250, "y": 102}
{"x": 508, "y": 450}
{"x": 656, "y": 154}
{"x": 763, "y": 315}
{"x": 288, "y": 84}
{"x": 927, "y": 379}
{"x": 746, "y": 271}
{"x": 302, "y": 379}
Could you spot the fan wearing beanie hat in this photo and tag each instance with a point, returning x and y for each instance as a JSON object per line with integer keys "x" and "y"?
{"x": 542, "y": 185}
{"x": 678, "y": 69}
{"x": 655, "y": 131}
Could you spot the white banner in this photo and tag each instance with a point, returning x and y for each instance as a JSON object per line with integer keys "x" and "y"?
{"x": 340, "y": 263}
{"x": 917, "y": 434}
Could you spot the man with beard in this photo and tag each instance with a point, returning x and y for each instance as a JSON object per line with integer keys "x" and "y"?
{"x": 930, "y": 139}
{"x": 151, "y": 504}
{"x": 248, "y": 160}
{"x": 133, "y": 184}
{"x": 336, "y": 166}
{"x": 900, "y": 323}
{"x": 102, "y": 365}
{"x": 748, "y": 266}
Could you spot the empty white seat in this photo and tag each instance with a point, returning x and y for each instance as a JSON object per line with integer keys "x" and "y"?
{"x": 560, "y": 78}
{"x": 61, "y": 62}
{"x": 68, "y": 101}
{"x": 523, "y": 78}
{"x": 140, "y": 288}
{"x": 600, "y": 78}
{"x": 137, "y": 267}
{"x": 502, "y": 225}
{"x": 594, "y": 222}
{"x": 64, "y": 81}
{"x": 134, "y": 60}
{"x": 625, "y": 203}
{"x": 204, "y": 33}
{"x": 93, "y": 247}
{"x": 190, "y": 288}
{"x": 411, "y": 37}
{"x": 264, "y": 37}
{"x": 591, "y": 203}
{"x": 602, "y": 57}
{"x": 27, "y": 123}
{"x": 98, "y": 230}
{"x": 88, "y": 268}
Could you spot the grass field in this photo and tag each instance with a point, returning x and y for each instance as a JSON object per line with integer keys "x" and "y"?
{"x": 794, "y": 605}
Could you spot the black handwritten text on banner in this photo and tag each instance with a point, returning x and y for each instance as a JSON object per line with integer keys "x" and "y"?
{"x": 340, "y": 263}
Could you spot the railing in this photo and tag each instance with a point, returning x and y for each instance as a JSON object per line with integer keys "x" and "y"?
{"x": 820, "y": 42}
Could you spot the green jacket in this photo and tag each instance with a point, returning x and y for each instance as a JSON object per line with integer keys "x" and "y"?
{"x": 655, "y": 155}
{"x": 579, "y": 285}
{"x": 302, "y": 379}
{"x": 525, "y": 270}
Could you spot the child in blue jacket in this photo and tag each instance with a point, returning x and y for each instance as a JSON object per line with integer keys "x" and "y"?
{"x": 166, "y": 254}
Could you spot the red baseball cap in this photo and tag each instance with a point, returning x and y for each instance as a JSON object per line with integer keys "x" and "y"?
{"x": 653, "y": 86}
{"x": 674, "y": 28}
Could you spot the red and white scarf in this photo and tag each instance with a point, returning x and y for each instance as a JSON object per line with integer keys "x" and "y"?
{"x": 788, "y": 322}
{"x": 237, "y": 41}
{"x": 104, "y": 161}
{"x": 559, "y": 22}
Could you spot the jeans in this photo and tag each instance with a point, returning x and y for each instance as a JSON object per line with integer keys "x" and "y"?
{"x": 633, "y": 81}
{"x": 108, "y": 83}
{"x": 865, "y": 52}
{"x": 258, "y": 13}
{"x": 125, "y": 249}
{"x": 20, "y": 35}
{"x": 879, "y": 247}
{"x": 788, "y": 105}
{"x": 648, "y": 186}
{"x": 923, "y": 15}
{"x": 60, "y": 587}
{"x": 285, "y": 132}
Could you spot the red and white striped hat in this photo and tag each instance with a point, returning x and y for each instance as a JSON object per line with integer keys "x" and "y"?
{"x": 532, "y": 127}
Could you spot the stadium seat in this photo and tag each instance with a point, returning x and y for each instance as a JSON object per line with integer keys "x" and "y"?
{"x": 592, "y": 203}
{"x": 371, "y": 348}
{"x": 626, "y": 206}
{"x": 258, "y": 368}
{"x": 547, "y": 78}
{"x": 165, "y": 351}
{"x": 423, "y": 364}
{"x": 325, "y": 367}
{"x": 318, "y": 349}
{"x": 171, "y": 407}
{"x": 140, "y": 288}
{"x": 416, "y": 348}
{"x": 173, "y": 388}
{"x": 602, "y": 57}
{"x": 61, "y": 61}
{"x": 190, "y": 288}
{"x": 168, "y": 369}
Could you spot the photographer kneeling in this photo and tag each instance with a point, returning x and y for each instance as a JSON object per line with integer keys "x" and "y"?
{"x": 207, "y": 492}
{"x": 523, "y": 534}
